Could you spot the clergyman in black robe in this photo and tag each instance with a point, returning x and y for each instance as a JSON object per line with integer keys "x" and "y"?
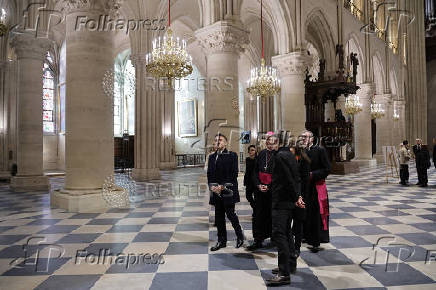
{"x": 316, "y": 224}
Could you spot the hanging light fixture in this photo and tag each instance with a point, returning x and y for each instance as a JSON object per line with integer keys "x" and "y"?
{"x": 353, "y": 105}
{"x": 3, "y": 26}
{"x": 377, "y": 110}
{"x": 264, "y": 81}
{"x": 169, "y": 58}
{"x": 396, "y": 115}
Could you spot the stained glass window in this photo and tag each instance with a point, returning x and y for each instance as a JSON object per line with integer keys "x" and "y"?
{"x": 48, "y": 100}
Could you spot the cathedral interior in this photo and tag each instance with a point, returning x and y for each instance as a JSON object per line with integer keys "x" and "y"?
{"x": 109, "y": 111}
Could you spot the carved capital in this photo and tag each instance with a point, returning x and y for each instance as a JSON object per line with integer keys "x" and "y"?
{"x": 294, "y": 63}
{"x": 110, "y": 7}
{"x": 28, "y": 46}
{"x": 222, "y": 36}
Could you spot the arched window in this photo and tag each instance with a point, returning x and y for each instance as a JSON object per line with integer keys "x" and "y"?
{"x": 124, "y": 95}
{"x": 48, "y": 97}
{"x": 314, "y": 68}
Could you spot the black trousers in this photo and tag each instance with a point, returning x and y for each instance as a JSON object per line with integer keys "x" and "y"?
{"x": 297, "y": 231}
{"x": 221, "y": 210}
{"x": 283, "y": 239}
{"x": 422, "y": 175}
{"x": 262, "y": 224}
{"x": 404, "y": 173}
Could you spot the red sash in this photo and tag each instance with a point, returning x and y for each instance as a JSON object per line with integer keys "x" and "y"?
{"x": 321, "y": 188}
{"x": 265, "y": 178}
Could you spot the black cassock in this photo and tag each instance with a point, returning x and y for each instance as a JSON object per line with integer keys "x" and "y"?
{"x": 320, "y": 169}
{"x": 262, "y": 223}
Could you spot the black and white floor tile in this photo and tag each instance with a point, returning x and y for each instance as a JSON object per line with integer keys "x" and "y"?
{"x": 383, "y": 236}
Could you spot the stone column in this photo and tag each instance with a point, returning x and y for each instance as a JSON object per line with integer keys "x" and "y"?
{"x": 222, "y": 41}
{"x": 30, "y": 53}
{"x": 385, "y": 125}
{"x": 89, "y": 142}
{"x": 148, "y": 128}
{"x": 291, "y": 68}
{"x": 362, "y": 126}
{"x": 168, "y": 140}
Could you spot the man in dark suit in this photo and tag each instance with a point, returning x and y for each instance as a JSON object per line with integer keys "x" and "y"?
{"x": 222, "y": 174}
{"x": 422, "y": 159}
{"x": 286, "y": 196}
{"x": 316, "y": 226}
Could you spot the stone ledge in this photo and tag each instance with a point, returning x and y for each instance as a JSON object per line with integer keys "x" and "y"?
{"x": 78, "y": 200}
{"x": 29, "y": 183}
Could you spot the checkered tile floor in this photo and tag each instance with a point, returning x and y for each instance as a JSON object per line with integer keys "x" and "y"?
{"x": 382, "y": 236}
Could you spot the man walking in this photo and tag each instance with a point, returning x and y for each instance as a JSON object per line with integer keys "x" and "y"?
{"x": 222, "y": 174}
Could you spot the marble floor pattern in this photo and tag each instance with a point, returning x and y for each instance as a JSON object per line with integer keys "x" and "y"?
{"x": 383, "y": 236}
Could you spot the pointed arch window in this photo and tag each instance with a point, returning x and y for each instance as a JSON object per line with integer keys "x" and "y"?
{"x": 48, "y": 97}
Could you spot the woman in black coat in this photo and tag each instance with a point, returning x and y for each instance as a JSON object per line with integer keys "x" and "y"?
{"x": 250, "y": 163}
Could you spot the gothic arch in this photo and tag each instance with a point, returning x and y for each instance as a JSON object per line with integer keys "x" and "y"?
{"x": 378, "y": 73}
{"x": 318, "y": 31}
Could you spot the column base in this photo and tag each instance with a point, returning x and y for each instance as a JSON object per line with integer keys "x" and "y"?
{"x": 168, "y": 165}
{"x": 379, "y": 157}
{"x": 145, "y": 174}
{"x": 29, "y": 183}
{"x": 78, "y": 200}
{"x": 366, "y": 162}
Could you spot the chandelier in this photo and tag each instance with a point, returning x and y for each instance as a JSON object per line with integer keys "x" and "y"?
{"x": 264, "y": 81}
{"x": 3, "y": 26}
{"x": 353, "y": 105}
{"x": 377, "y": 110}
{"x": 169, "y": 58}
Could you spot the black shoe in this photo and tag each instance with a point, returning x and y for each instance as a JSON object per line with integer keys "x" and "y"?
{"x": 292, "y": 270}
{"x": 218, "y": 246}
{"x": 423, "y": 185}
{"x": 254, "y": 246}
{"x": 418, "y": 183}
{"x": 315, "y": 249}
{"x": 404, "y": 184}
{"x": 239, "y": 242}
{"x": 278, "y": 280}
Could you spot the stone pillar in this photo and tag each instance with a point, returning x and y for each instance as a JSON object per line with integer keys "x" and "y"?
{"x": 148, "y": 128}
{"x": 30, "y": 53}
{"x": 385, "y": 125}
{"x": 168, "y": 140}
{"x": 89, "y": 142}
{"x": 222, "y": 42}
{"x": 362, "y": 126}
{"x": 291, "y": 68}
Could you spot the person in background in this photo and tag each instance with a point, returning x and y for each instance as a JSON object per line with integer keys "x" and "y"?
{"x": 434, "y": 152}
{"x": 262, "y": 177}
{"x": 250, "y": 188}
{"x": 316, "y": 225}
{"x": 285, "y": 198}
{"x": 404, "y": 162}
{"x": 303, "y": 163}
{"x": 422, "y": 159}
{"x": 222, "y": 177}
